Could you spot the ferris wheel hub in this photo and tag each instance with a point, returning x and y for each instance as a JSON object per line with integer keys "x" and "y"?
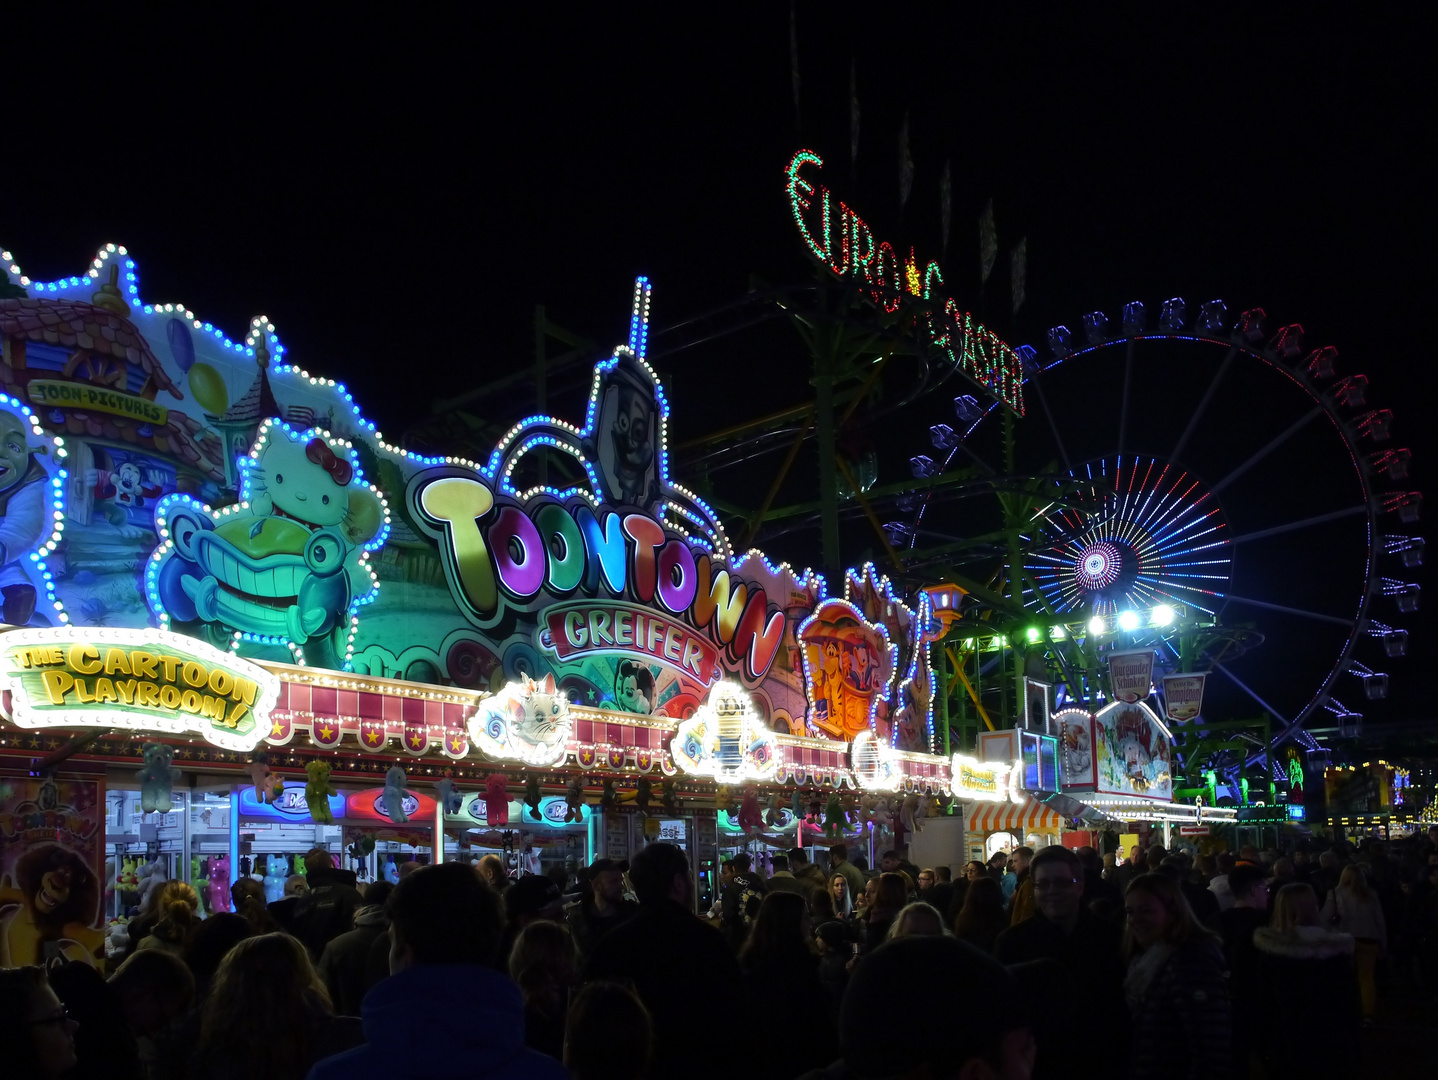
{"x": 1099, "y": 566}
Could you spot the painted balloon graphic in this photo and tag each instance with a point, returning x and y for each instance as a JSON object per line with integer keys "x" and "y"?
{"x": 181, "y": 347}
{"x": 209, "y": 389}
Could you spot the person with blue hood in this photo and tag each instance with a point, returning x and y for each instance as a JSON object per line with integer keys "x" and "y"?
{"x": 444, "y": 1010}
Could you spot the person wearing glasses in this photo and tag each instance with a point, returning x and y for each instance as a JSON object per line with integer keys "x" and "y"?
{"x": 36, "y": 1031}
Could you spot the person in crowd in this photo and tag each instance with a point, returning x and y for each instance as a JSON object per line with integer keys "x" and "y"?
{"x": 1180, "y": 1016}
{"x": 155, "y": 990}
{"x": 942, "y": 894}
{"x": 1020, "y": 891}
{"x": 982, "y": 918}
{"x": 918, "y": 919}
{"x": 967, "y": 1022}
{"x": 889, "y": 896}
{"x": 543, "y": 964}
{"x": 742, "y": 896}
{"x": 533, "y": 898}
{"x": 1134, "y": 865}
{"x": 1248, "y": 891}
{"x": 1306, "y": 984}
{"x": 284, "y": 908}
{"x": 37, "y": 1034}
{"x": 779, "y": 963}
{"x": 327, "y": 909}
{"x": 811, "y": 876}
{"x": 601, "y": 907}
{"x": 1219, "y": 883}
{"x": 346, "y": 965}
{"x": 782, "y": 878}
{"x": 1203, "y": 903}
{"x": 209, "y": 944}
{"x": 679, "y": 966}
{"x": 610, "y": 1034}
{"x": 1097, "y": 890}
{"x": 1325, "y": 879}
{"x": 178, "y": 909}
{"x": 247, "y": 897}
{"x": 444, "y": 1009}
{"x": 821, "y": 906}
{"x": 1354, "y": 909}
{"x": 268, "y": 1014}
{"x": 843, "y": 898}
{"x": 839, "y": 864}
{"x": 491, "y": 868}
{"x": 1282, "y": 875}
{"x": 836, "y": 949}
{"x": 972, "y": 872}
{"x": 998, "y": 866}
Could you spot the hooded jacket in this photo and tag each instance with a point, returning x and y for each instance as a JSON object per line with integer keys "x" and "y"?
{"x": 454, "y": 1021}
{"x": 344, "y": 965}
{"x": 1307, "y": 981}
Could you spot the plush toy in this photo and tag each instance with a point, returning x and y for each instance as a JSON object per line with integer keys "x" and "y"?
{"x": 152, "y": 876}
{"x": 277, "y": 869}
{"x": 217, "y": 892}
{"x": 724, "y": 800}
{"x": 496, "y": 799}
{"x": 834, "y": 817}
{"x": 391, "y": 871}
{"x": 882, "y": 817}
{"x": 117, "y": 937}
{"x": 318, "y": 789}
{"x": 198, "y": 881}
{"x": 129, "y": 879}
{"x": 669, "y": 795}
{"x": 574, "y": 800}
{"x": 750, "y": 817}
{"x": 259, "y": 770}
{"x": 449, "y": 798}
{"x": 907, "y": 809}
{"x": 796, "y": 805}
{"x": 774, "y": 811}
{"x": 816, "y": 808}
{"x": 608, "y": 797}
{"x": 643, "y": 795}
{"x": 156, "y": 778}
{"x": 394, "y": 795}
{"x": 532, "y": 795}
{"x": 275, "y": 788}
{"x": 867, "y": 803}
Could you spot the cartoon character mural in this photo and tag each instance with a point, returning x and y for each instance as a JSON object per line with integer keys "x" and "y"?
{"x": 626, "y": 434}
{"x": 288, "y": 566}
{"x": 30, "y": 478}
{"x": 1134, "y": 751}
{"x": 850, "y": 664}
{"x": 527, "y": 719}
{"x": 125, "y": 489}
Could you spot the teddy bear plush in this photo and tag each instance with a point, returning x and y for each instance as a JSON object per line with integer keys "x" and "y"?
{"x": 449, "y": 796}
{"x": 751, "y": 818}
{"x": 277, "y": 870}
{"x": 259, "y": 771}
{"x": 643, "y": 794}
{"x": 574, "y": 800}
{"x": 217, "y": 892}
{"x": 394, "y": 795}
{"x": 532, "y": 797}
{"x": 156, "y": 778}
{"x": 496, "y": 799}
{"x": 669, "y": 795}
{"x": 318, "y": 789}
{"x": 834, "y": 817}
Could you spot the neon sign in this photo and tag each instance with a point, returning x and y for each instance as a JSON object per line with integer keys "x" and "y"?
{"x": 149, "y": 680}
{"x": 844, "y": 243}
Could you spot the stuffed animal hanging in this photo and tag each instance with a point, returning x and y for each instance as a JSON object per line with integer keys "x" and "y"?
{"x": 834, "y": 817}
{"x": 394, "y": 795}
{"x": 574, "y": 800}
{"x": 217, "y": 892}
{"x": 669, "y": 795}
{"x": 867, "y": 804}
{"x": 277, "y": 869}
{"x": 796, "y": 804}
{"x": 391, "y": 871}
{"x": 532, "y": 797}
{"x": 750, "y": 816}
{"x": 643, "y": 795}
{"x": 259, "y": 770}
{"x": 774, "y": 811}
{"x": 816, "y": 808}
{"x": 608, "y": 797}
{"x": 276, "y": 788}
{"x": 496, "y": 799}
{"x": 449, "y": 797}
{"x": 318, "y": 790}
{"x": 152, "y": 876}
{"x": 157, "y": 780}
{"x": 724, "y": 800}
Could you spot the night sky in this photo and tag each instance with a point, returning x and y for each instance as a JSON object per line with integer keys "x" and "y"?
{"x": 397, "y": 195}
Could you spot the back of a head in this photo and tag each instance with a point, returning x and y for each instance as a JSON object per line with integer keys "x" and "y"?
{"x": 1353, "y": 880}
{"x": 1174, "y": 867}
{"x": 543, "y": 944}
{"x": 609, "y": 1035}
{"x": 983, "y": 894}
{"x": 212, "y": 940}
{"x": 969, "y": 1002}
{"x": 778, "y": 929}
{"x": 742, "y": 862}
{"x": 1328, "y": 860}
{"x": 780, "y": 862}
{"x": 918, "y": 920}
{"x": 318, "y": 858}
{"x": 155, "y": 973}
{"x": 261, "y": 1003}
{"x": 1244, "y": 879}
{"x": 839, "y": 851}
{"x": 446, "y": 914}
{"x": 1293, "y": 906}
{"x": 377, "y": 893}
{"x": 654, "y": 870}
{"x": 177, "y": 909}
{"x": 1226, "y": 862}
{"x": 797, "y": 857}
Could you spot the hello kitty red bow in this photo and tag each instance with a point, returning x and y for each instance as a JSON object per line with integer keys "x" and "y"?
{"x": 340, "y": 470}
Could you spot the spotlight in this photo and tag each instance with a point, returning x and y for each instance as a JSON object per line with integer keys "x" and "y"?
{"x": 1033, "y": 633}
{"x": 1162, "y": 615}
{"x": 1128, "y": 621}
{"x": 1098, "y": 625}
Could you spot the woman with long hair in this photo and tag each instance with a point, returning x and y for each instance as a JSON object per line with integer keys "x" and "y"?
{"x": 918, "y": 919}
{"x": 1305, "y": 972}
{"x": 269, "y": 1015}
{"x": 178, "y": 908}
{"x": 248, "y": 896}
{"x": 1179, "y": 1012}
{"x": 889, "y": 899}
{"x": 542, "y": 964}
{"x": 1353, "y": 908}
{"x": 780, "y": 965}
{"x": 843, "y": 902}
{"x": 36, "y": 1031}
{"x": 982, "y": 918}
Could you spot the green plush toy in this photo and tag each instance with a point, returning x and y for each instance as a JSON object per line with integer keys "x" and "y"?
{"x": 318, "y": 789}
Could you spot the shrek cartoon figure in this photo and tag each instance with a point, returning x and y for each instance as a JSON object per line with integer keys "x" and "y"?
{"x": 22, "y": 517}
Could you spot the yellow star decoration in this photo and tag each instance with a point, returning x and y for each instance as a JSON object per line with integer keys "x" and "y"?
{"x": 327, "y": 732}
{"x": 276, "y": 730}
{"x": 372, "y": 737}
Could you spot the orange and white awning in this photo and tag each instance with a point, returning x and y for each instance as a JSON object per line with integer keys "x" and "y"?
{"x": 1027, "y": 816}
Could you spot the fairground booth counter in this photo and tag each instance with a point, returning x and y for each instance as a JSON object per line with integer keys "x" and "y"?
{"x": 239, "y": 623}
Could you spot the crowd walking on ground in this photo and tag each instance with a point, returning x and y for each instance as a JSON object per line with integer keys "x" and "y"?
{"x": 1195, "y": 966}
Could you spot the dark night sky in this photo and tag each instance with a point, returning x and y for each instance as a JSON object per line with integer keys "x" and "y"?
{"x": 343, "y": 177}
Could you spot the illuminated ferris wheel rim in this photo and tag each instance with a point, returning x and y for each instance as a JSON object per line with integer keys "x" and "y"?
{"x": 1285, "y": 354}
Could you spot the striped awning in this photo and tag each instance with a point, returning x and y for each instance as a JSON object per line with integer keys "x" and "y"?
{"x": 1028, "y": 816}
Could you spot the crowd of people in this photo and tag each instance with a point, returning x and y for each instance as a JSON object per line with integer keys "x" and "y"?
{"x": 1190, "y": 966}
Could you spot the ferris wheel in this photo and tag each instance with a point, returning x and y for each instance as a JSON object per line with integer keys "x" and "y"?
{"x": 1206, "y": 467}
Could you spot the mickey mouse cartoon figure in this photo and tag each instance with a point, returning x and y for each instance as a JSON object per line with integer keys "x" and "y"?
{"x": 126, "y": 489}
